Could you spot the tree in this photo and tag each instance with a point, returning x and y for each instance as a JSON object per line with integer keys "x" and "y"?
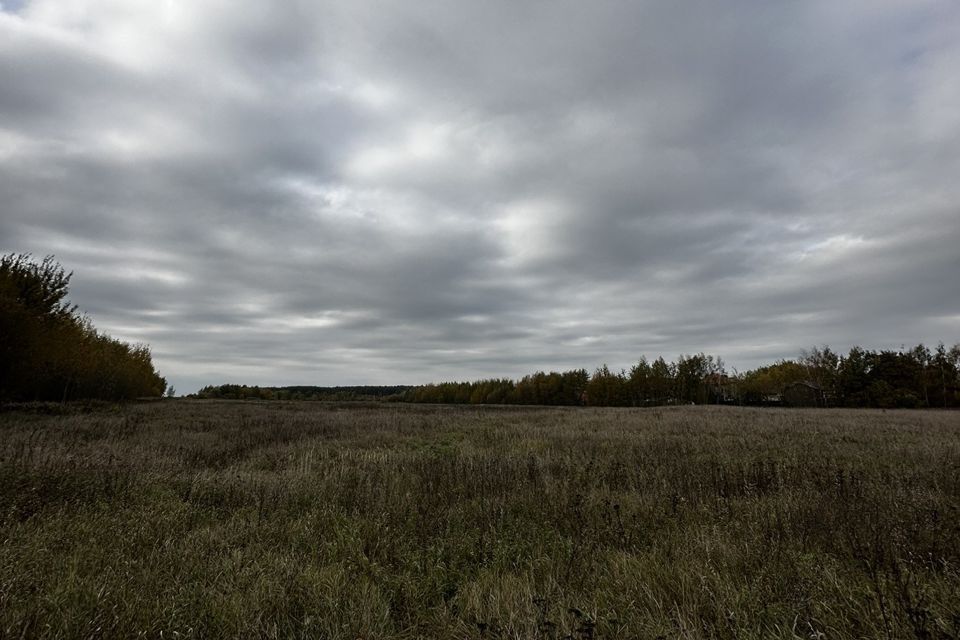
{"x": 946, "y": 366}
{"x": 822, "y": 367}
{"x": 922, "y": 357}
{"x": 854, "y": 378}
{"x": 48, "y": 351}
{"x": 766, "y": 384}
{"x": 607, "y": 389}
{"x": 661, "y": 381}
{"x": 639, "y": 382}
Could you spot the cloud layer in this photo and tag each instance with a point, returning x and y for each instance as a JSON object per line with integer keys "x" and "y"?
{"x": 372, "y": 192}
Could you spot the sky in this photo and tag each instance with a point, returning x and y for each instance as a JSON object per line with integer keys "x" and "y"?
{"x": 402, "y": 192}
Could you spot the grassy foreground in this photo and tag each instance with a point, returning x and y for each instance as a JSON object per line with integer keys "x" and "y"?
{"x": 218, "y": 519}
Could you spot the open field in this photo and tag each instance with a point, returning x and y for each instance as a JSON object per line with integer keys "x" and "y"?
{"x": 218, "y": 519}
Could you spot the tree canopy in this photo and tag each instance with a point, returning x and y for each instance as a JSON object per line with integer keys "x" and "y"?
{"x": 51, "y": 352}
{"x": 908, "y": 378}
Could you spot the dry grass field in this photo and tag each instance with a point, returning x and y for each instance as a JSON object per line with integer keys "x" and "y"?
{"x": 211, "y": 519}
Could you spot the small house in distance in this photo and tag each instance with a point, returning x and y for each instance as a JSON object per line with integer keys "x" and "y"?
{"x": 803, "y": 394}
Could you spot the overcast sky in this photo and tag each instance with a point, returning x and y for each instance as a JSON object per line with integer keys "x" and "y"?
{"x": 400, "y": 192}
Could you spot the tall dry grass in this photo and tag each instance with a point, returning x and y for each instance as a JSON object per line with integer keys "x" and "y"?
{"x": 218, "y": 519}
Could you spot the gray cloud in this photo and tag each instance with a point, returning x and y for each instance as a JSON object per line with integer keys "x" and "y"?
{"x": 360, "y": 193}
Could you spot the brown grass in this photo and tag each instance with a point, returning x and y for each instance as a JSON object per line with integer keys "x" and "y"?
{"x": 218, "y": 519}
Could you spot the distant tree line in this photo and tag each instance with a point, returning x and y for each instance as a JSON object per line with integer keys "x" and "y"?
{"x": 689, "y": 379}
{"x": 552, "y": 388}
{"x": 914, "y": 378}
{"x": 244, "y": 392}
{"x": 50, "y": 352}
{"x": 907, "y": 378}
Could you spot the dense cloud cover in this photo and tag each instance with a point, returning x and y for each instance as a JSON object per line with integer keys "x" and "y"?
{"x": 369, "y": 192}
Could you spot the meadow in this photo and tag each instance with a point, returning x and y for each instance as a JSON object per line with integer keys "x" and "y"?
{"x": 216, "y": 519}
